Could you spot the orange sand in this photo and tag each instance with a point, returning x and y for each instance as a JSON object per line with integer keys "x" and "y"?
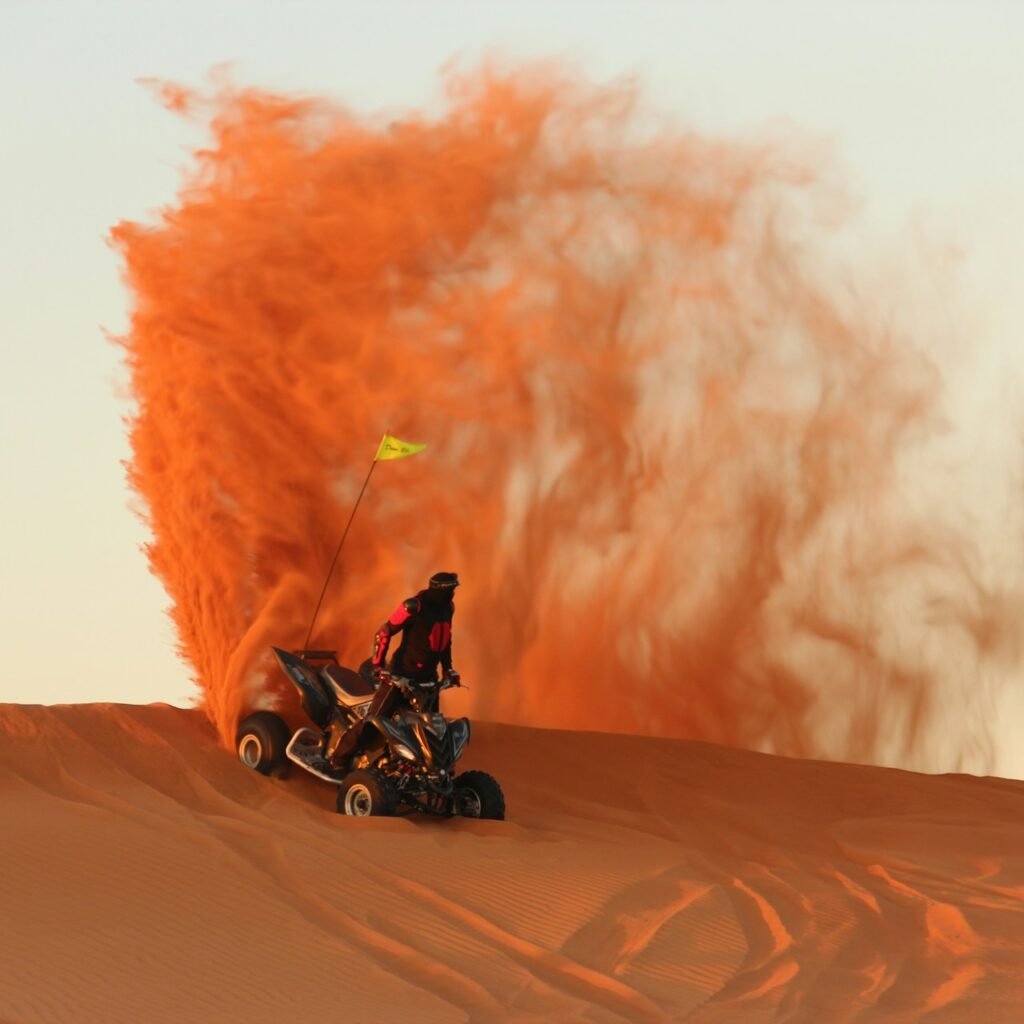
{"x": 149, "y": 877}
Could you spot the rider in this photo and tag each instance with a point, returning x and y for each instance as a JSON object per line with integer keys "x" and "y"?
{"x": 425, "y": 622}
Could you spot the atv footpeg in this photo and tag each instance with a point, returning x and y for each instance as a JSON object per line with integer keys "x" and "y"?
{"x": 306, "y": 751}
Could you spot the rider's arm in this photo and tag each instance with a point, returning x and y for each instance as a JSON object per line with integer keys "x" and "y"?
{"x": 445, "y": 655}
{"x": 395, "y": 624}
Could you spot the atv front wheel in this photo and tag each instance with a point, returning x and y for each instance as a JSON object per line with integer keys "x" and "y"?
{"x": 478, "y": 795}
{"x": 261, "y": 741}
{"x": 365, "y": 792}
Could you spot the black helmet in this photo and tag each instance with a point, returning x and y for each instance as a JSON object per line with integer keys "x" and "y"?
{"x": 444, "y": 581}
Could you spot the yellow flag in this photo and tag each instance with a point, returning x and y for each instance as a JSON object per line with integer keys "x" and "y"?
{"x": 392, "y": 448}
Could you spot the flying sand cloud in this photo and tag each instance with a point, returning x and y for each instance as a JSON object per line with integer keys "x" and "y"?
{"x": 666, "y": 445}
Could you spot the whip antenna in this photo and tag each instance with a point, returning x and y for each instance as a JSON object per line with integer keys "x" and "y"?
{"x": 388, "y": 449}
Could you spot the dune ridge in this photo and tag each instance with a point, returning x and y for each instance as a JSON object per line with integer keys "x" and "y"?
{"x": 149, "y": 876}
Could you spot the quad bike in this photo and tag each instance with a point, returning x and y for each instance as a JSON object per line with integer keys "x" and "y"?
{"x": 406, "y": 751}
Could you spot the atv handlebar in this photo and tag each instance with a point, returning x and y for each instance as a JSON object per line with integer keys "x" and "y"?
{"x": 403, "y": 683}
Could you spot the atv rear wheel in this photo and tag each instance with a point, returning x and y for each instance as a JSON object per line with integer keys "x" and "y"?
{"x": 478, "y": 795}
{"x": 261, "y": 741}
{"x": 365, "y": 792}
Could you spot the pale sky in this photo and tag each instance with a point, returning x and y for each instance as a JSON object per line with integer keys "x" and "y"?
{"x": 919, "y": 104}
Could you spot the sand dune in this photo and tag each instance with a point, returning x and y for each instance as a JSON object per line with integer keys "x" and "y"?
{"x": 148, "y": 876}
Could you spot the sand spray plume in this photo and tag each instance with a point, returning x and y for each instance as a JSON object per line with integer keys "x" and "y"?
{"x": 664, "y": 446}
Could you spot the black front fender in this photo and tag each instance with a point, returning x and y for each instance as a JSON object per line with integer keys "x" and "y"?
{"x": 394, "y": 737}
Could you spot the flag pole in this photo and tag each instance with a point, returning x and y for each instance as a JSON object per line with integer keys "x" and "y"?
{"x": 341, "y": 543}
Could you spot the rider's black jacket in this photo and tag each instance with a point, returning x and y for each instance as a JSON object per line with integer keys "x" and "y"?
{"x": 425, "y": 622}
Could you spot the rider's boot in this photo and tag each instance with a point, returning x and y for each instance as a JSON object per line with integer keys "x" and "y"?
{"x": 342, "y": 745}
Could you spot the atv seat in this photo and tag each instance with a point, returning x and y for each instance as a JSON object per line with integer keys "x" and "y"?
{"x": 349, "y": 688}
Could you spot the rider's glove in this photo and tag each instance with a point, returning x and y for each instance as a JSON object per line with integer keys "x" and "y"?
{"x": 452, "y": 678}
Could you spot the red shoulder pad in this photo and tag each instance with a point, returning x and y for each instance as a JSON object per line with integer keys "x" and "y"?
{"x": 405, "y": 611}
